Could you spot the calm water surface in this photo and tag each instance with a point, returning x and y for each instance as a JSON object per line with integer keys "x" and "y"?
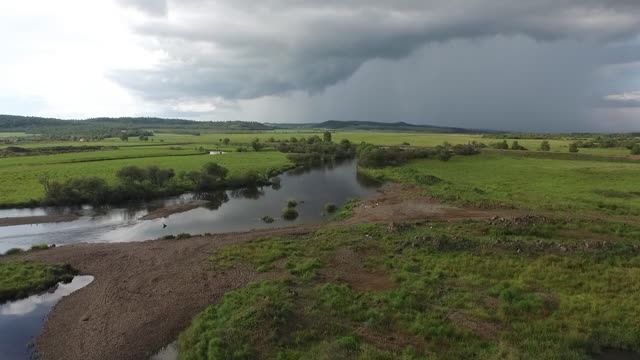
{"x": 238, "y": 210}
{"x": 21, "y": 320}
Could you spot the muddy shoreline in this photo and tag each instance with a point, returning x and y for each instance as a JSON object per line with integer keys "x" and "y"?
{"x": 33, "y": 220}
{"x": 145, "y": 293}
{"x": 173, "y": 209}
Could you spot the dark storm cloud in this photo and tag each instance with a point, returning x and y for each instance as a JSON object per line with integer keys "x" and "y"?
{"x": 242, "y": 49}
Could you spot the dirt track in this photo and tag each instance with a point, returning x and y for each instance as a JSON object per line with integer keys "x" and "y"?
{"x": 145, "y": 293}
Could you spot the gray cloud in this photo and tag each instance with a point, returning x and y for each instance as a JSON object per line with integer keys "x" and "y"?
{"x": 482, "y": 59}
{"x": 151, "y": 7}
{"x": 237, "y": 49}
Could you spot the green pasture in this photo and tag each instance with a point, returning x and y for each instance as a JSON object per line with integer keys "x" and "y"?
{"x": 454, "y": 290}
{"x": 513, "y": 180}
{"x": 373, "y": 137}
{"x": 19, "y": 176}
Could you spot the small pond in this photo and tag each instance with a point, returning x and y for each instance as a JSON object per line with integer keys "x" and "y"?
{"x": 21, "y": 320}
{"x": 224, "y": 211}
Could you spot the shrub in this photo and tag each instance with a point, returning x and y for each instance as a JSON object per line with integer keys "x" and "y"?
{"x": 573, "y": 148}
{"x": 326, "y": 136}
{"x": 330, "y": 208}
{"x": 516, "y": 146}
{"x": 501, "y": 145}
{"x": 256, "y": 145}
{"x": 635, "y": 150}
{"x": 289, "y": 213}
{"x": 544, "y": 146}
{"x": 183, "y": 236}
{"x": 291, "y": 203}
{"x": 267, "y": 219}
{"x": 169, "y": 237}
{"x": 466, "y": 149}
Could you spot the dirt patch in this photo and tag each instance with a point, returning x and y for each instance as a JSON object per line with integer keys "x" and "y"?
{"x": 396, "y": 342}
{"x": 405, "y": 203}
{"x": 173, "y": 209}
{"x": 482, "y": 328}
{"x": 44, "y": 219}
{"x": 526, "y": 220}
{"x": 347, "y": 266}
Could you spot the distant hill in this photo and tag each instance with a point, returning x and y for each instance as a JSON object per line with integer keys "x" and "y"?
{"x": 112, "y": 127}
{"x": 372, "y": 125}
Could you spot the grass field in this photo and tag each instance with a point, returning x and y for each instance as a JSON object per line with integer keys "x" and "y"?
{"x": 373, "y": 137}
{"x": 453, "y": 291}
{"x": 510, "y": 180}
{"x": 13, "y": 135}
{"x": 19, "y": 176}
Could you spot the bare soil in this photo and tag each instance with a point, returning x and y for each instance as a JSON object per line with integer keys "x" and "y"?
{"x": 145, "y": 293}
{"x": 348, "y": 267}
{"x": 44, "y": 219}
{"x": 404, "y": 204}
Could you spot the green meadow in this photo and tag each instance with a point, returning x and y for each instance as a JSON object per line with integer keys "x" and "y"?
{"x": 511, "y": 180}
{"x": 374, "y": 137}
{"x": 536, "y": 184}
{"x": 19, "y": 176}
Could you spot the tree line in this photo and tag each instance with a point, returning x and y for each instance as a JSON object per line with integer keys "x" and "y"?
{"x": 134, "y": 183}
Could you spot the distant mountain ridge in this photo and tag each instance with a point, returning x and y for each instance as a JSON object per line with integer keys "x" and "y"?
{"x": 372, "y": 125}
{"x": 15, "y": 122}
{"x": 32, "y": 124}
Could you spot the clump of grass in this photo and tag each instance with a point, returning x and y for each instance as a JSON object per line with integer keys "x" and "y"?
{"x": 346, "y": 211}
{"x": 183, "y": 236}
{"x": 39, "y": 247}
{"x": 227, "y": 330}
{"x": 289, "y": 213}
{"x": 291, "y": 203}
{"x": 267, "y": 219}
{"x": 21, "y": 279}
{"x": 304, "y": 268}
{"x": 330, "y": 208}
{"x": 169, "y": 237}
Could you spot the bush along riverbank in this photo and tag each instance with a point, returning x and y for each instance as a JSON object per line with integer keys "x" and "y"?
{"x": 315, "y": 150}
{"x": 141, "y": 184}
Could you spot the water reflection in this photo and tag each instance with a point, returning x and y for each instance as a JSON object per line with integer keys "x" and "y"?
{"x": 21, "y": 320}
{"x": 252, "y": 193}
{"x": 214, "y": 199}
{"x": 224, "y": 211}
{"x": 168, "y": 353}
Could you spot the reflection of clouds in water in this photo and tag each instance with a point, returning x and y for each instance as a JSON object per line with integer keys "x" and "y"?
{"x": 25, "y": 306}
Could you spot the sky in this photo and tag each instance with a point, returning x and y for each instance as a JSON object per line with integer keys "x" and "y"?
{"x": 519, "y": 65}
